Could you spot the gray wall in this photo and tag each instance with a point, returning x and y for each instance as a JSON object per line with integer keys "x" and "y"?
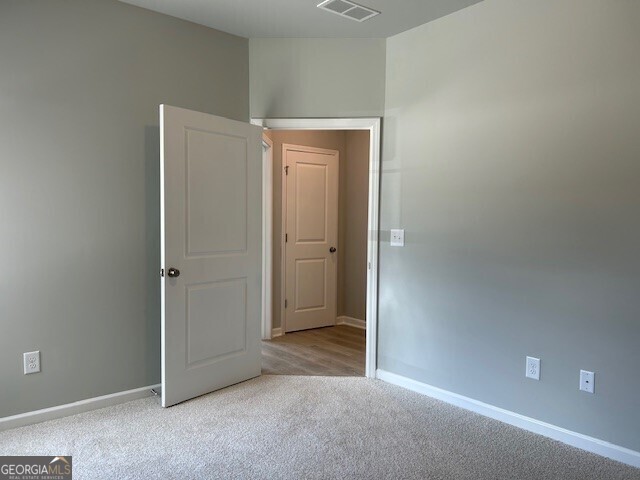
{"x": 80, "y": 85}
{"x": 511, "y": 158}
{"x": 353, "y": 198}
{"x": 317, "y": 77}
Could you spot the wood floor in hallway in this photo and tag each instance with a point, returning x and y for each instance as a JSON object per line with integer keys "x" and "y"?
{"x": 329, "y": 351}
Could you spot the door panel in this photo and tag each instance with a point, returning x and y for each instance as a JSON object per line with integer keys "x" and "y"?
{"x": 311, "y": 278}
{"x": 216, "y": 190}
{"x": 312, "y": 229}
{"x": 212, "y": 233}
{"x": 216, "y": 321}
{"x": 311, "y": 202}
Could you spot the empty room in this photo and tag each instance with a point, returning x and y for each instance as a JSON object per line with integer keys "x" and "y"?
{"x": 309, "y": 239}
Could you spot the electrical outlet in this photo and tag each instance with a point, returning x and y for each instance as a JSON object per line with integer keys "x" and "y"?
{"x": 397, "y": 238}
{"x": 533, "y": 368}
{"x": 31, "y": 362}
{"x": 587, "y": 381}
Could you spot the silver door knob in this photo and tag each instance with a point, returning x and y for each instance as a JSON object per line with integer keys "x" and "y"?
{"x": 173, "y": 272}
{"x": 332, "y": 250}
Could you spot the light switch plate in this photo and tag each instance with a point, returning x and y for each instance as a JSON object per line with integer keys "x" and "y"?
{"x": 397, "y": 238}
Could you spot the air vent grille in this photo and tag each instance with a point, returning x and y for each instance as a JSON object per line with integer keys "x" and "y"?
{"x": 348, "y": 9}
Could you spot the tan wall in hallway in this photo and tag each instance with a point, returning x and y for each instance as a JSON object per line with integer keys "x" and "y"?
{"x": 351, "y": 204}
{"x": 354, "y": 198}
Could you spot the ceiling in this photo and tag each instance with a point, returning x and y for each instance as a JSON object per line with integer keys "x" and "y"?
{"x": 301, "y": 18}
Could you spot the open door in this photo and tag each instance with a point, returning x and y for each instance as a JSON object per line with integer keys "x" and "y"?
{"x": 211, "y": 242}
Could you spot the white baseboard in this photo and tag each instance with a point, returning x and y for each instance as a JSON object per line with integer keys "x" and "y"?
{"x": 578, "y": 440}
{"x": 60, "y": 411}
{"x": 352, "y": 322}
{"x": 277, "y": 332}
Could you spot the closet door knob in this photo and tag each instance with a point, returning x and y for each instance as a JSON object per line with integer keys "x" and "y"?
{"x": 332, "y": 250}
{"x": 173, "y": 272}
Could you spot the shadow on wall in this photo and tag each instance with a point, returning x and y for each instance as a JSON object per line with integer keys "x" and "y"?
{"x": 152, "y": 241}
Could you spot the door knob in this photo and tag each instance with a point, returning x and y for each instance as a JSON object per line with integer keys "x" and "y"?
{"x": 332, "y": 249}
{"x": 173, "y": 272}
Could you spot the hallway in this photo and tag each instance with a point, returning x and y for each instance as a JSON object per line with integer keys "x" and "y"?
{"x": 330, "y": 351}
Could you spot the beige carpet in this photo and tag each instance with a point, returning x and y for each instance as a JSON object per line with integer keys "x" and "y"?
{"x": 304, "y": 428}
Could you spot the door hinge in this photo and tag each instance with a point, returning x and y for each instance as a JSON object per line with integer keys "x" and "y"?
{"x": 286, "y": 303}
{"x": 162, "y": 272}
{"x": 286, "y": 170}
{"x": 286, "y": 237}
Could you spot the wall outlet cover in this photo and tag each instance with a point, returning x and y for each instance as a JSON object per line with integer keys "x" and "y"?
{"x": 397, "y": 238}
{"x": 587, "y": 381}
{"x": 31, "y": 362}
{"x": 533, "y": 368}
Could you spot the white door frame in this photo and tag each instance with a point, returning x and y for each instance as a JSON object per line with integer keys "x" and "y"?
{"x": 373, "y": 126}
{"x": 267, "y": 236}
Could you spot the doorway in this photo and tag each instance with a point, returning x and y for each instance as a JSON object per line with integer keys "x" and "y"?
{"x": 354, "y": 332}
{"x": 211, "y": 241}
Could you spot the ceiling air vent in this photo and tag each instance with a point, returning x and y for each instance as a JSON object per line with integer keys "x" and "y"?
{"x": 348, "y": 9}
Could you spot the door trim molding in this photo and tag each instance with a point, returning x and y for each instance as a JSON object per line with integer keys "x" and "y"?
{"x": 267, "y": 237}
{"x": 575, "y": 439}
{"x": 373, "y": 125}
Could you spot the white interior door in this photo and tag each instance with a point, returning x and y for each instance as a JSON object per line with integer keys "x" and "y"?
{"x": 311, "y": 258}
{"x": 211, "y": 242}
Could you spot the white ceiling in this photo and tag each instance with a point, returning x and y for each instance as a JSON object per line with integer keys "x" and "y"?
{"x": 301, "y": 18}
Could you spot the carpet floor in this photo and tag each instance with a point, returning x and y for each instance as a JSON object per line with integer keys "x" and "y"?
{"x": 290, "y": 427}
